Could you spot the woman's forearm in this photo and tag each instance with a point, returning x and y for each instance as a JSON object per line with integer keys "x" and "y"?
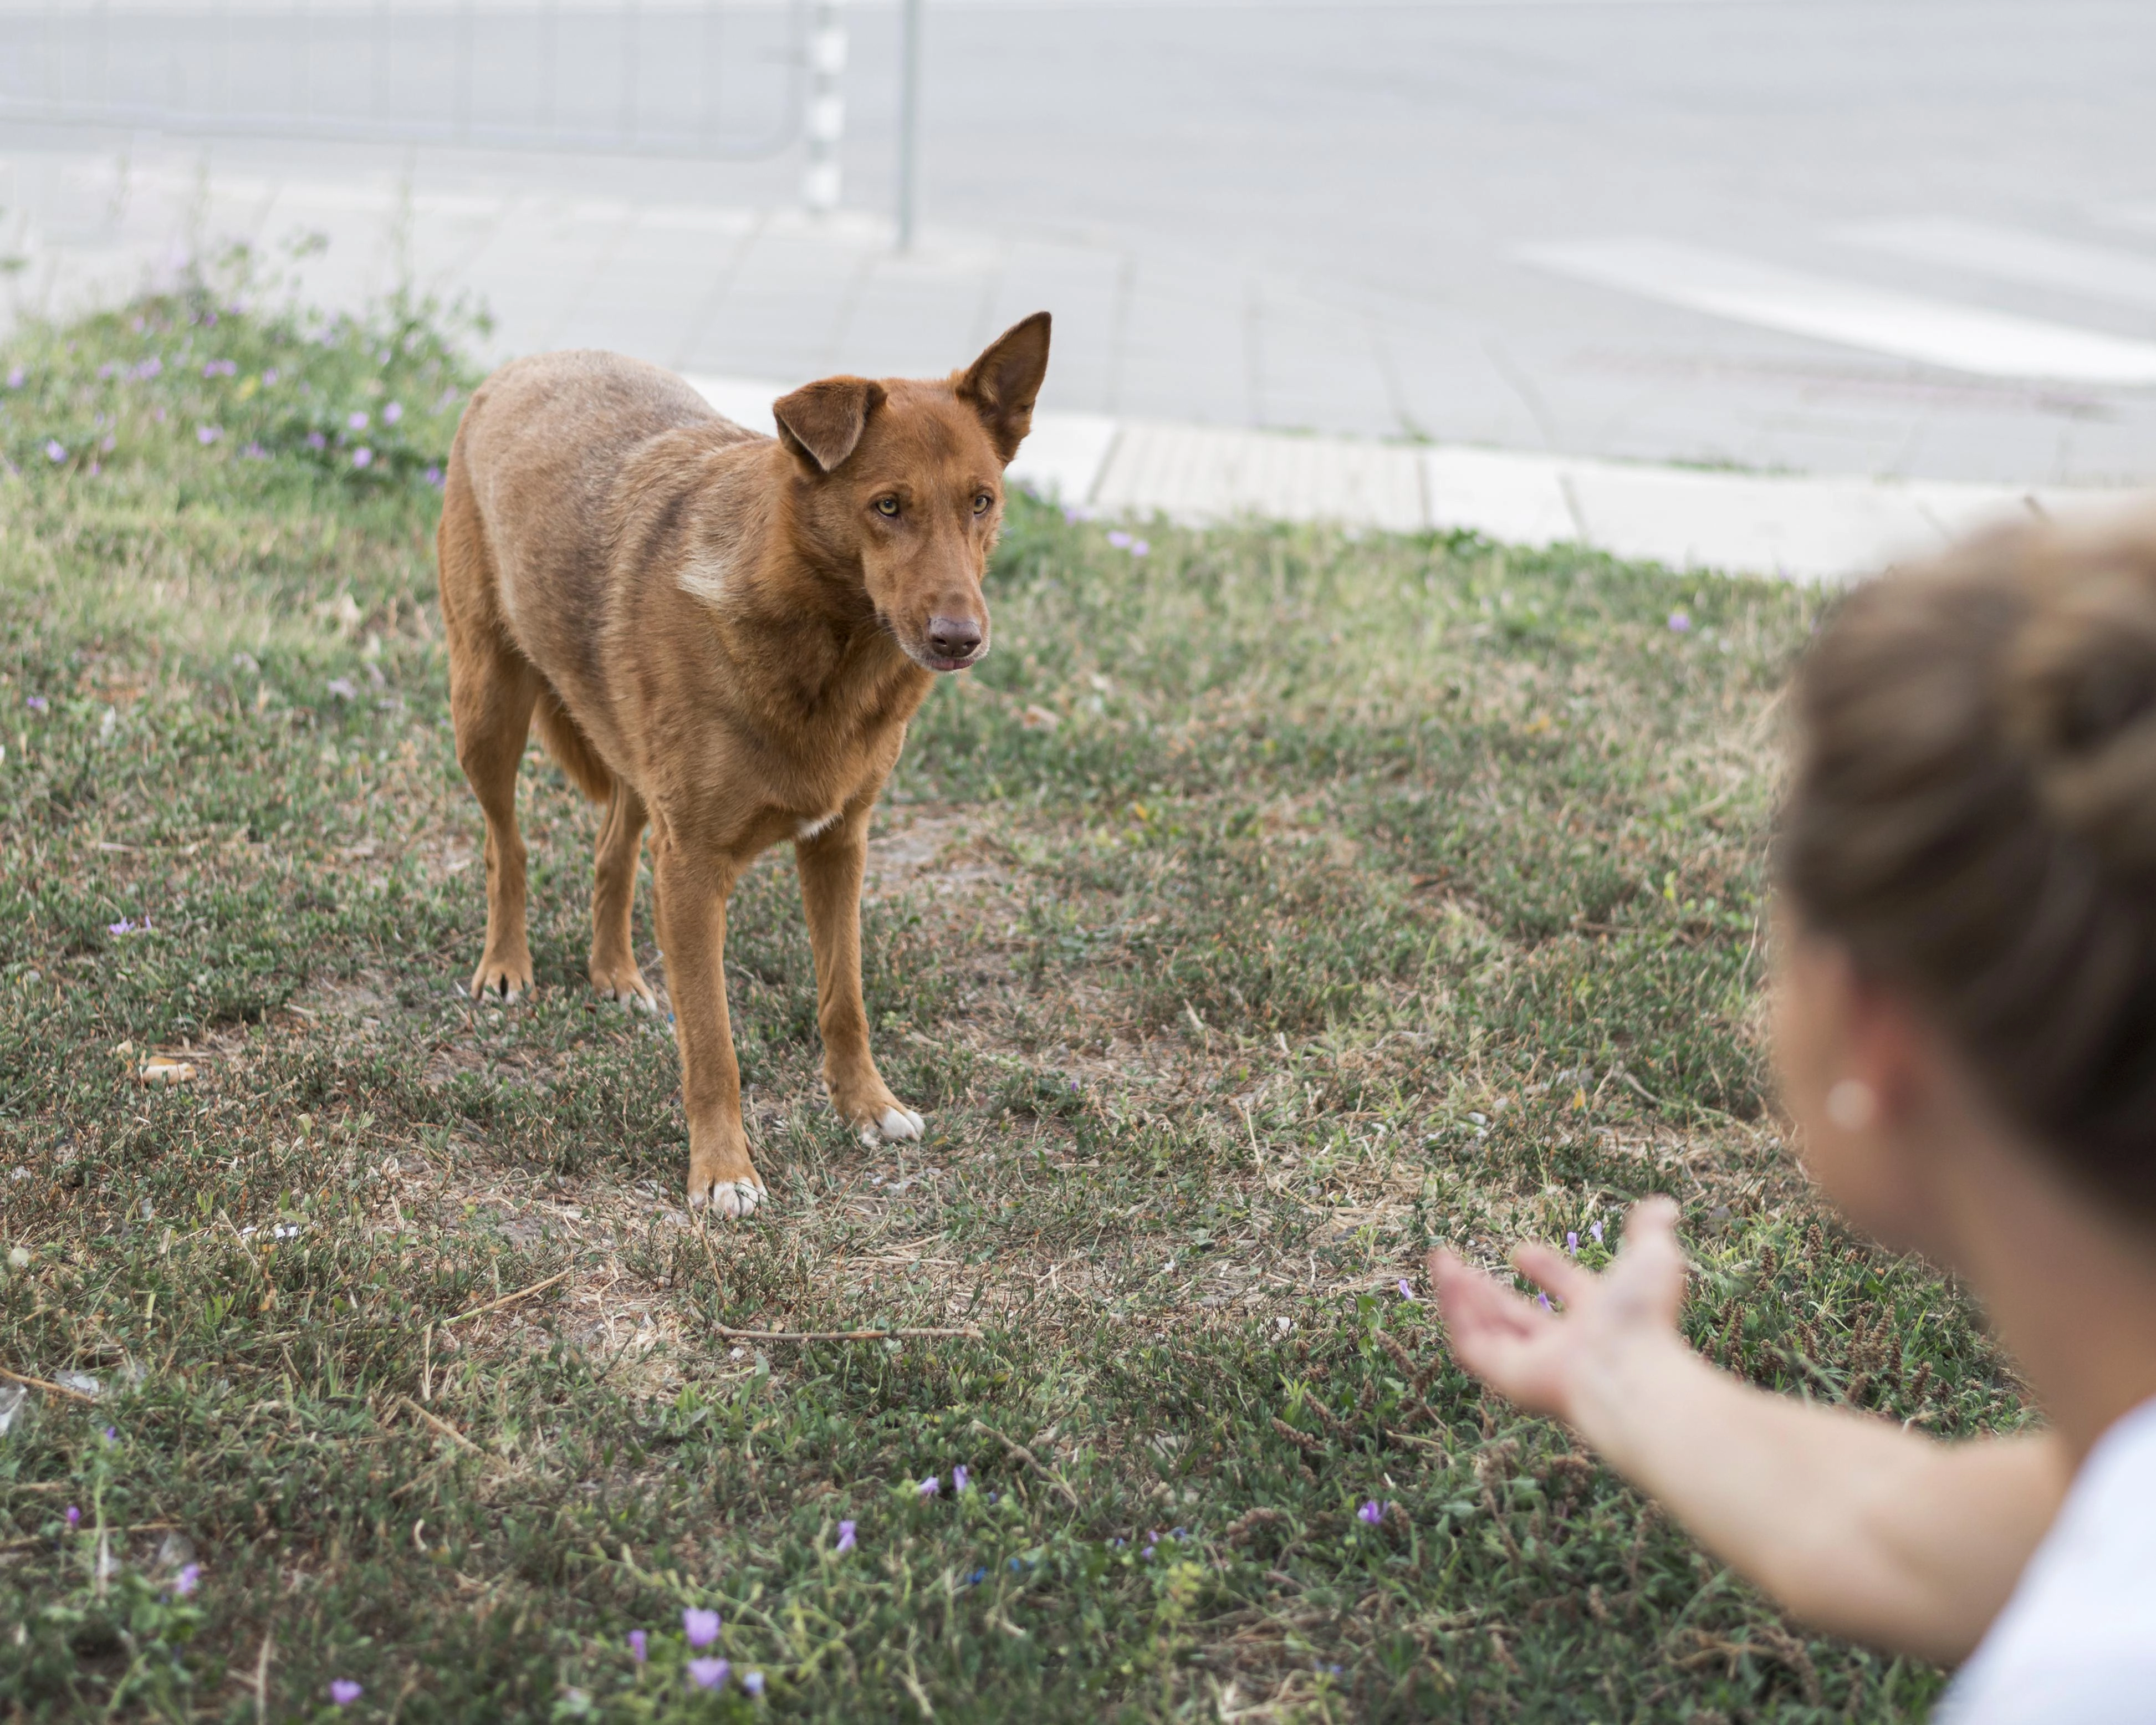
{"x": 1857, "y": 1526}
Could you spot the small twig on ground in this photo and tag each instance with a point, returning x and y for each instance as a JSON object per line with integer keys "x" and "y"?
{"x": 75, "y": 1396}
{"x": 537, "y": 1287}
{"x": 261, "y": 1679}
{"x": 968, "y": 1330}
{"x": 718, "y": 1281}
{"x": 441, "y": 1425}
{"x": 133, "y": 1527}
{"x": 1030, "y": 1460}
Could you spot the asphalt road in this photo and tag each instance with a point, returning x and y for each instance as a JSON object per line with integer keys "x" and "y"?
{"x": 1900, "y": 236}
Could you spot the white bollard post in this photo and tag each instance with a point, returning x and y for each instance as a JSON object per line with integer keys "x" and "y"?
{"x": 825, "y": 125}
{"x": 909, "y": 121}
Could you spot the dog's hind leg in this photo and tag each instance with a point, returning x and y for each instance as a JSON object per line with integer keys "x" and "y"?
{"x": 492, "y": 689}
{"x": 491, "y": 701}
{"x": 831, "y": 864}
{"x": 614, "y": 972}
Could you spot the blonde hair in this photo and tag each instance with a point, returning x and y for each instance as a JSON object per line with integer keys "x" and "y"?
{"x": 1974, "y": 816}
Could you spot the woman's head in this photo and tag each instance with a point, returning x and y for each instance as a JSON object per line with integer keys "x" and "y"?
{"x": 1972, "y": 830}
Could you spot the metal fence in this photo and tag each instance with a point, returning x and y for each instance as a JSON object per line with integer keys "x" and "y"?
{"x": 697, "y": 77}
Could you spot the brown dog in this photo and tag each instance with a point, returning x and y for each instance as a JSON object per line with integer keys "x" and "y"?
{"x": 725, "y": 636}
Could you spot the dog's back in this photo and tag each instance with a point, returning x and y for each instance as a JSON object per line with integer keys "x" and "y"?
{"x": 533, "y": 512}
{"x": 540, "y": 454}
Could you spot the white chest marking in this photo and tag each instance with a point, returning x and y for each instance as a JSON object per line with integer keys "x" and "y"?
{"x": 812, "y": 829}
{"x": 705, "y": 577}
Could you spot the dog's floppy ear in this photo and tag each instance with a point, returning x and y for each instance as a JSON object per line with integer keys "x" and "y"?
{"x": 1000, "y": 386}
{"x": 821, "y": 421}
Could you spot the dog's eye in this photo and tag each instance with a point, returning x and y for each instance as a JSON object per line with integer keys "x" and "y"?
{"x": 887, "y": 506}
{"x": 983, "y": 503}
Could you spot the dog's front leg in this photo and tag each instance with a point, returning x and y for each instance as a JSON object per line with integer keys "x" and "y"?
{"x": 831, "y": 865}
{"x": 691, "y": 907}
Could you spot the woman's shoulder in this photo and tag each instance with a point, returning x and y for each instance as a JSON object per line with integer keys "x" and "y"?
{"x": 2078, "y": 1639}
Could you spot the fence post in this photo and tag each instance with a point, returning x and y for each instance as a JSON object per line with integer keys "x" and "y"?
{"x": 826, "y": 126}
{"x": 909, "y": 122}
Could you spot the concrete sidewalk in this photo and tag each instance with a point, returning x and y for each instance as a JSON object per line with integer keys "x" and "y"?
{"x": 1798, "y": 527}
{"x": 714, "y": 291}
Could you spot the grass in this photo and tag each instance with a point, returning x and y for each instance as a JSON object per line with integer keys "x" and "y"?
{"x": 1263, "y": 910}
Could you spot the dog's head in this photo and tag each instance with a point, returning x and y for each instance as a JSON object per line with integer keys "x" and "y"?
{"x": 906, "y": 480}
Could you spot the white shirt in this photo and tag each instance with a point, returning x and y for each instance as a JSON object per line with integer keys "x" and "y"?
{"x": 2077, "y": 1644}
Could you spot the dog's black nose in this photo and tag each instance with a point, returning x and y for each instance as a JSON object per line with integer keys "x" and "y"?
{"x": 953, "y": 637}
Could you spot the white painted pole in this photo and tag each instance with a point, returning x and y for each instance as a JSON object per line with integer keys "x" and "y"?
{"x": 908, "y": 123}
{"x": 826, "y": 120}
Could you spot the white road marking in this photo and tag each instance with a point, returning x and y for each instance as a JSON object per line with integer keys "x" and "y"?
{"x": 2011, "y": 254}
{"x": 1962, "y": 338}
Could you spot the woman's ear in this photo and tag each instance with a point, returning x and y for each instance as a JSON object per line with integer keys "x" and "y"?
{"x": 1002, "y": 384}
{"x": 1860, "y": 1076}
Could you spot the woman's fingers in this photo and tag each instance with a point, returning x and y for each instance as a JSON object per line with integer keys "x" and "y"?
{"x": 1476, "y": 1305}
{"x": 1501, "y": 1337}
{"x": 1551, "y": 1269}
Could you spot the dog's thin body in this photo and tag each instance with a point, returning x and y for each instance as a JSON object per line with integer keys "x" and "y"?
{"x": 723, "y": 636}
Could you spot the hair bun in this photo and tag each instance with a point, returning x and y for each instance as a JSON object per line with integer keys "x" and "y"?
{"x": 2080, "y": 704}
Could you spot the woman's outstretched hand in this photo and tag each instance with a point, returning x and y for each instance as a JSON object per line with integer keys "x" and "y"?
{"x": 1538, "y": 1358}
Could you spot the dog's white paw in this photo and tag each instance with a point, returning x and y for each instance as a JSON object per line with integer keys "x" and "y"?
{"x": 731, "y": 1199}
{"x": 637, "y": 995}
{"x": 897, "y": 1126}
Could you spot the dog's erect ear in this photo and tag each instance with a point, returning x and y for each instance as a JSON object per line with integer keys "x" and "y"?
{"x": 821, "y": 421}
{"x": 1000, "y": 386}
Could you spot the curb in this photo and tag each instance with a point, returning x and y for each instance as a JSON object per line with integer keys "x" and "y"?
{"x": 1797, "y": 527}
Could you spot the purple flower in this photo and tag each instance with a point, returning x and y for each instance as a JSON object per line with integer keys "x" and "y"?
{"x": 315, "y": 441}
{"x": 15, "y": 376}
{"x": 149, "y": 368}
{"x": 702, "y": 1627}
{"x": 357, "y": 421}
{"x": 708, "y": 1673}
{"x": 187, "y": 1580}
{"x": 433, "y": 476}
{"x": 1571, "y": 1244}
{"x": 930, "y": 1486}
{"x": 1371, "y": 1513}
{"x": 1596, "y": 1233}
{"x": 106, "y": 370}
{"x": 1679, "y": 622}
{"x": 207, "y": 434}
{"x": 74, "y": 1517}
{"x": 639, "y": 1645}
{"x": 1118, "y": 538}
{"x": 122, "y": 926}
{"x": 55, "y": 450}
{"x": 959, "y": 1477}
{"x": 392, "y": 413}
{"x": 1543, "y": 1301}
{"x": 255, "y": 452}
{"x": 845, "y": 1537}
{"x": 269, "y": 377}
{"x": 111, "y": 1437}
{"x": 111, "y": 443}
{"x": 1141, "y": 548}
{"x": 36, "y": 703}
{"x": 363, "y": 457}
{"x": 344, "y": 1691}
{"x": 752, "y": 1682}
{"x": 1407, "y": 1289}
